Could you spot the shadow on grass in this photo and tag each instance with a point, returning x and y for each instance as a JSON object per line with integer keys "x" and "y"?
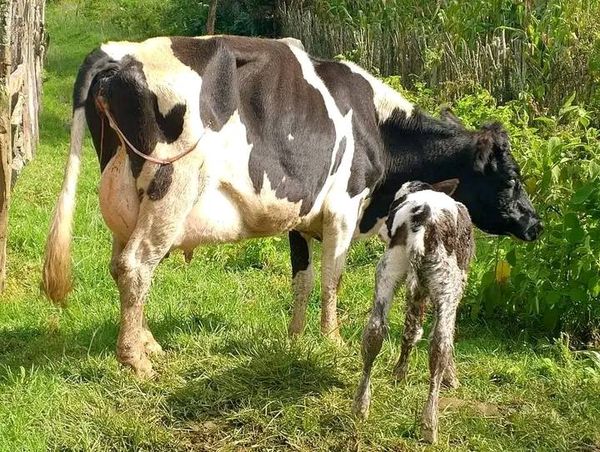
{"x": 46, "y": 345}
{"x": 266, "y": 370}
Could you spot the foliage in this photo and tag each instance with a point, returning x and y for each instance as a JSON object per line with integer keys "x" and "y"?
{"x": 551, "y": 285}
{"x": 508, "y": 47}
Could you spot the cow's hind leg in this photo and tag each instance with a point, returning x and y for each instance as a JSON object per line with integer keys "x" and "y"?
{"x": 303, "y": 279}
{"x": 390, "y": 270}
{"x": 150, "y": 344}
{"x": 158, "y": 226}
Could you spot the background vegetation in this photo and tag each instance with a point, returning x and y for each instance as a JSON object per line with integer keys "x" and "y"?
{"x": 230, "y": 378}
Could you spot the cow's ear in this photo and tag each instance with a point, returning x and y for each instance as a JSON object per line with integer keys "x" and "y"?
{"x": 483, "y": 150}
{"x": 446, "y": 186}
{"x": 447, "y": 115}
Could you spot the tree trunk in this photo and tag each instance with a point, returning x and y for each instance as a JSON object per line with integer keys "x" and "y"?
{"x": 212, "y": 17}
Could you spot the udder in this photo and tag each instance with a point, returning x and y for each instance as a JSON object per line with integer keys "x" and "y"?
{"x": 119, "y": 201}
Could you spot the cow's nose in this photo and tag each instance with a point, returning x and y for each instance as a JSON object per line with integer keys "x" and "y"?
{"x": 534, "y": 231}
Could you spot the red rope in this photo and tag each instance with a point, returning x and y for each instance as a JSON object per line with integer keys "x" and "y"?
{"x": 103, "y": 109}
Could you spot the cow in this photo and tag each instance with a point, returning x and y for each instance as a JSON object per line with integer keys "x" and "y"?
{"x": 222, "y": 138}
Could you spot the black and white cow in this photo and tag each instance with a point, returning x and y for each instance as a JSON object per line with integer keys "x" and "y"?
{"x": 219, "y": 139}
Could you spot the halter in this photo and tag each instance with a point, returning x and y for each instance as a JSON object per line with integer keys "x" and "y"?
{"x": 103, "y": 108}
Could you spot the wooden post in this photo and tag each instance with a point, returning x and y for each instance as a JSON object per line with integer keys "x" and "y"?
{"x": 212, "y": 17}
{"x": 22, "y": 48}
{"x": 5, "y": 133}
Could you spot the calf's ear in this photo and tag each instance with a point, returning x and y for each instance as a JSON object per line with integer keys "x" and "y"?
{"x": 446, "y": 186}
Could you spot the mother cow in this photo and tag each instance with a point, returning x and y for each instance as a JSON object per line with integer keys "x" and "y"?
{"x": 225, "y": 138}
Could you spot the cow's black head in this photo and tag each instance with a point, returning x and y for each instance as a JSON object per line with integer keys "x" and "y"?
{"x": 492, "y": 189}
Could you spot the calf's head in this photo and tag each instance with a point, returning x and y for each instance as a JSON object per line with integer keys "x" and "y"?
{"x": 492, "y": 189}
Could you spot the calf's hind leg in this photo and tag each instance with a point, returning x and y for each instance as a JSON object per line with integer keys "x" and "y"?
{"x": 440, "y": 356}
{"x": 390, "y": 270}
{"x": 413, "y": 329}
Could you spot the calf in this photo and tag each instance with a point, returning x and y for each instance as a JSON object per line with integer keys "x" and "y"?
{"x": 430, "y": 245}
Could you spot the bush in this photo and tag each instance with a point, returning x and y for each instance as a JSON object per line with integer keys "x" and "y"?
{"x": 508, "y": 47}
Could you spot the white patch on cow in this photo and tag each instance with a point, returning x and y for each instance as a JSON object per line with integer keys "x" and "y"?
{"x": 171, "y": 81}
{"x": 385, "y": 98}
{"x": 290, "y": 137}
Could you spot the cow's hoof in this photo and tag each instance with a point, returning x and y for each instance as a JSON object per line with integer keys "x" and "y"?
{"x": 139, "y": 364}
{"x": 450, "y": 382}
{"x": 335, "y": 337}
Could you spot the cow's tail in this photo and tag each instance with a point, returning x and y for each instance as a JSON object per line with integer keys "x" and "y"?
{"x": 57, "y": 259}
{"x": 56, "y": 278}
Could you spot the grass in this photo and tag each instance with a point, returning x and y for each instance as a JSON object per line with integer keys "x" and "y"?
{"x": 230, "y": 378}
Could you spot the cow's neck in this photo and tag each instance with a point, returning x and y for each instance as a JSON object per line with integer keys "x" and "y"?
{"x": 419, "y": 147}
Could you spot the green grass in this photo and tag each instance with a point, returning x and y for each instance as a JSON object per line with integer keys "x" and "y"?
{"x": 230, "y": 378}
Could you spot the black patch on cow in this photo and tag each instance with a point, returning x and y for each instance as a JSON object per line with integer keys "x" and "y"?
{"x": 159, "y": 186}
{"x": 400, "y": 236}
{"x": 96, "y": 67}
{"x": 263, "y": 80}
{"x": 353, "y": 92}
{"x": 216, "y": 64}
{"x": 419, "y": 147}
{"x": 339, "y": 156}
{"x": 299, "y": 252}
{"x": 170, "y": 125}
{"x": 134, "y": 107}
{"x": 420, "y": 215}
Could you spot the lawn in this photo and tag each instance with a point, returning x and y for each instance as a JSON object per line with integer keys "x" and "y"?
{"x": 230, "y": 378}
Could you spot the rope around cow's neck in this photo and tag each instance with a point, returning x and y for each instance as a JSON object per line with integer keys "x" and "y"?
{"x": 103, "y": 109}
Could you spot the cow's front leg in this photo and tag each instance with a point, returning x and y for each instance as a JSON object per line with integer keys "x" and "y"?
{"x": 302, "y": 279}
{"x": 337, "y": 236}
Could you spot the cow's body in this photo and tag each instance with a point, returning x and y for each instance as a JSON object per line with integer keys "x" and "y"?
{"x": 274, "y": 152}
{"x": 279, "y": 142}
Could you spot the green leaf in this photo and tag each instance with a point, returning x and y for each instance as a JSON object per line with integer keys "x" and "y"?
{"x": 511, "y": 257}
{"x": 583, "y": 193}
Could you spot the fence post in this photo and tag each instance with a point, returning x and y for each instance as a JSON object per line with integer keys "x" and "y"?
{"x": 5, "y": 132}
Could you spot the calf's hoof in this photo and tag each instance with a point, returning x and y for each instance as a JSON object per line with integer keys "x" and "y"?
{"x": 399, "y": 374}
{"x": 360, "y": 405}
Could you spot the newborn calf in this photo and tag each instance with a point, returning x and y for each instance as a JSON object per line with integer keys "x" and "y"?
{"x": 430, "y": 245}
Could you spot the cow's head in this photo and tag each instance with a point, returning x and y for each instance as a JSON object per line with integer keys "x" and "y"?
{"x": 491, "y": 186}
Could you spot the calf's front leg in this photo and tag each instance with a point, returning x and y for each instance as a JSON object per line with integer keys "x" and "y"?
{"x": 390, "y": 270}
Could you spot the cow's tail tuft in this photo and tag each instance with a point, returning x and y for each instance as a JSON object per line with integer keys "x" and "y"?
{"x": 57, "y": 261}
